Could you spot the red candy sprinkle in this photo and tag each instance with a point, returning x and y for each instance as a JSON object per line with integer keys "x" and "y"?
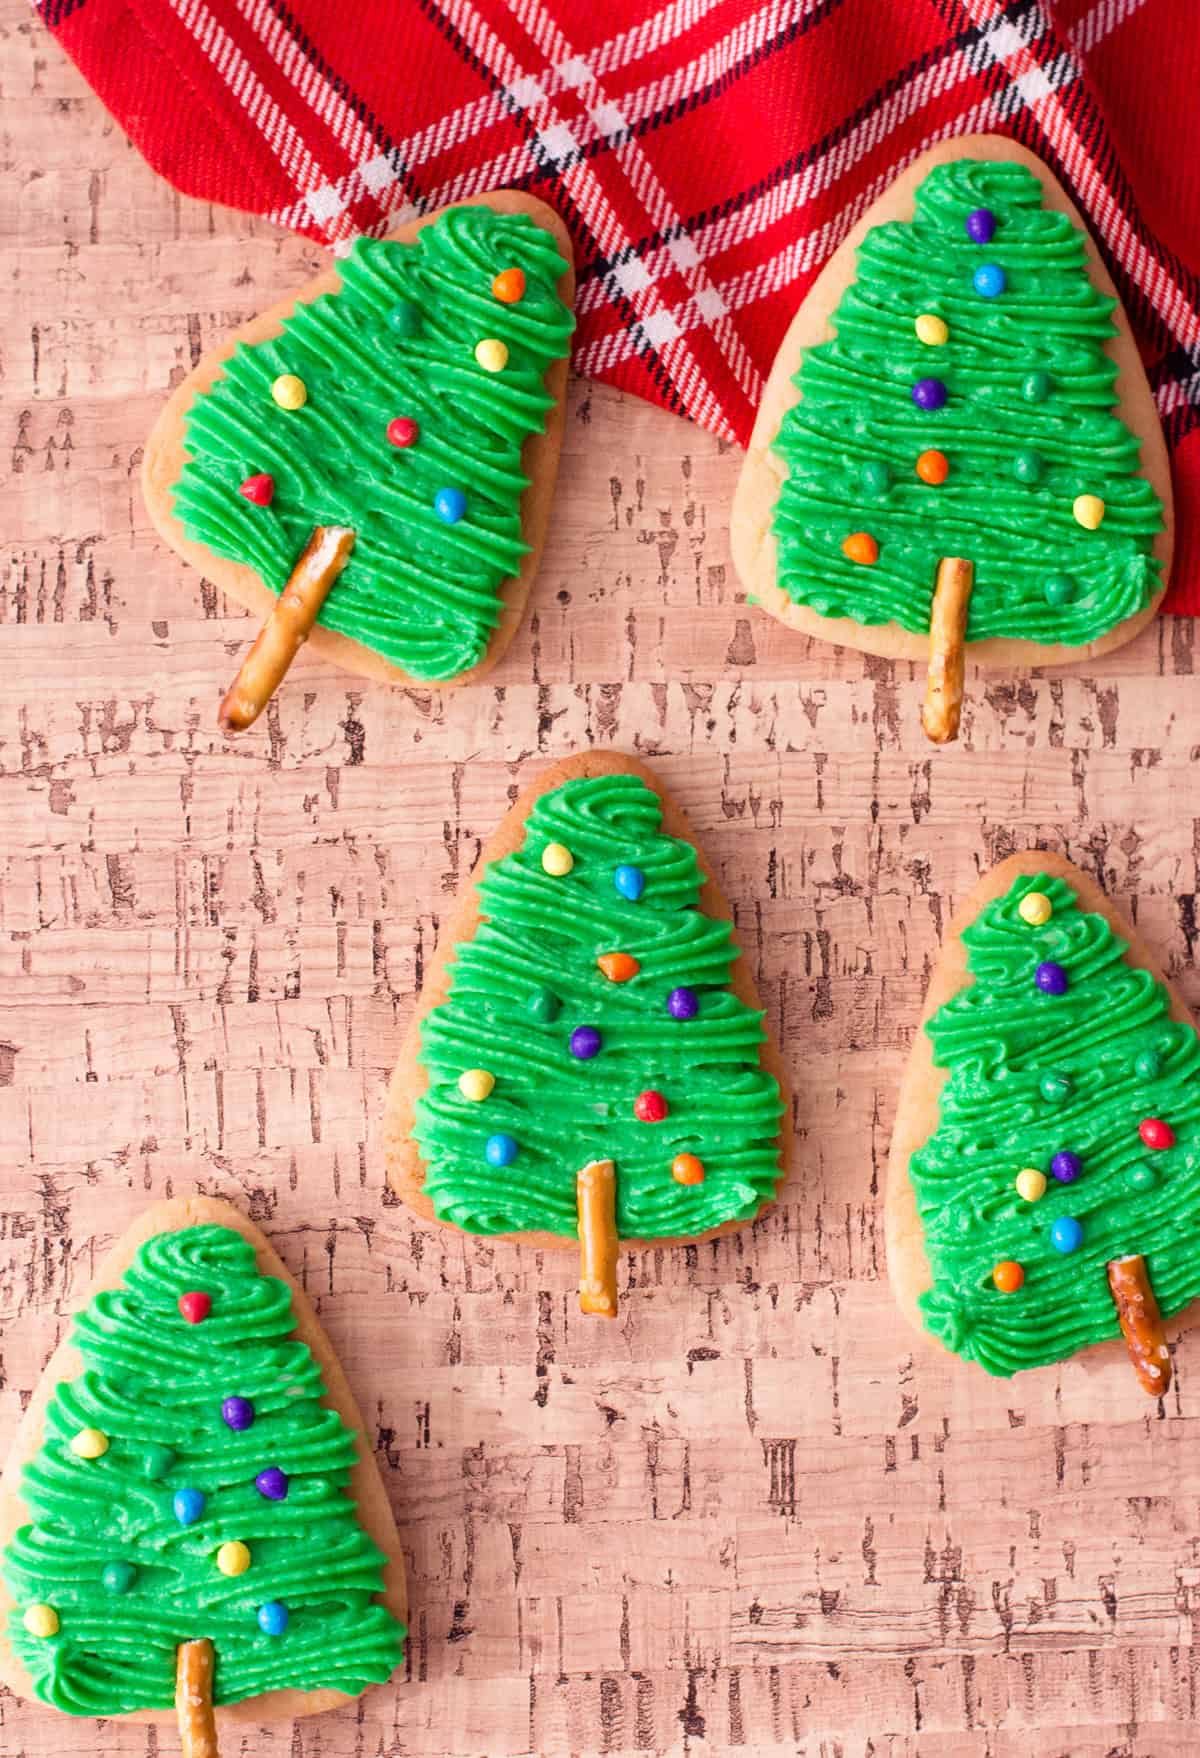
{"x": 195, "y": 1307}
{"x": 260, "y": 489}
{"x": 403, "y": 431}
{"x": 650, "y": 1107}
{"x": 1155, "y": 1133}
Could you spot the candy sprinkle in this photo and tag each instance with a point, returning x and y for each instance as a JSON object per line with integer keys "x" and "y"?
{"x": 618, "y": 967}
{"x": 195, "y": 1307}
{"x": 41, "y": 1620}
{"x": 89, "y": 1443}
{"x": 557, "y": 860}
{"x": 1052, "y": 978}
{"x": 1031, "y": 1184}
{"x": 630, "y": 882}
{"x": 237, "y": 1414}
{"x": 272, "y": 1484}
{"x": 289, "y": 391}
{"x": 585, "y": 1042}
{"x": 233, "y": 1558}
{"x": 1089, "y": 511}
{"x": 450, "y": 504}
{"x": 273, "y": 1617}
{"x": 476, "y": 1084}
{"x": 509, "y": 286}
{"x": 683, "y": 1004}
{"x": 118, "y": 1577}
{"x": 980, "y": 225}
{"x": 1156, "y": 1133}
{"x": 1066, "y": 1166}
{"x": 1035, "y": 909}
{"x": 860, "y": 547}
{"x": 650, "y": 1107}
{"x": 931, "y": 330}
{"x": 402, "y": 431}
{"x": 259, "y": 490}
{"x": 1066, "y": 1234}
{"x": 500, "y": 1150}
{"x": 491, "y": 354}
{"x": 687, "y": 1169}
{"x": 989, "y": 280}
{"x": 1008, "y": 1277}
{"x": 929, "y": 394}
{"x": 933, "y": 468}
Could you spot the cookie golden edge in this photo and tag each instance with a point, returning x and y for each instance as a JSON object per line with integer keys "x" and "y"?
{"x": 405, "y": 1163}
{"x": 918, "y": 1103}
{"x": 751, "y": 538}
{"x": 366, "y": 1484}
{"x": 165, "y": 457}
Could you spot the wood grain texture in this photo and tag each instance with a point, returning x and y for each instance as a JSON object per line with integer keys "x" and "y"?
{"x": 755, "y": 1515}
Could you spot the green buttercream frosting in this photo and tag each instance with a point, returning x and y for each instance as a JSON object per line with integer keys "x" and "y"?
{"x": 1027, "y": 426}
{"x": 154, "y": 1385}
{"x": 1030, "y": 1075}
{"x": 529, "y": 978}
{"x": 397, "y": 339}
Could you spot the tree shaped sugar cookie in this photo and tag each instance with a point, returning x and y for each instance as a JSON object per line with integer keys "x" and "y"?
{"x": 374, "y": 459}
{"x": 190, "y": 1525}
{"x": 1046, "y": 1160}
{"x": 958, "y": 454}
{"x": 589, "y": 1062}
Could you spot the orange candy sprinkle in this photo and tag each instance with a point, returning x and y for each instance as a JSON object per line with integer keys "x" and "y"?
{"x": 933, "y": 467}
{"x": 860, "y": 546}
{"x": 618, "y": 967}
{"x": 1008, "y": 1277}
{"x": 509, "y": 286}
{"x": 687, "y": 1169}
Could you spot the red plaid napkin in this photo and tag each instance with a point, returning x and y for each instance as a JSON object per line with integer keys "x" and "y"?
{"x": 708, "y": 155}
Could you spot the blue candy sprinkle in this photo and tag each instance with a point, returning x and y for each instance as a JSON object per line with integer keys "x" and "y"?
{"x": 501, "y": 1150}
{"x": 630, "y": 882}
{"x": 450, "y": 504}
{"x": 273, "y": 1617}
{"x": 188, "y": 1505}
{"x": 989, "y": 280}
{"x": 1066, "y": 1234}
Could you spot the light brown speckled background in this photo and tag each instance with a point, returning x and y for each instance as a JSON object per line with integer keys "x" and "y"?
{"x": 756, "y": 1516}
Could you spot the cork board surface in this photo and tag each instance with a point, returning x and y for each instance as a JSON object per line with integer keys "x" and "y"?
{"x": 757, "y": 1515}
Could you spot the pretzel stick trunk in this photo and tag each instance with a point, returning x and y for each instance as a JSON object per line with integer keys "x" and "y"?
{"x": 193, "y": 1699}
{"x": 947, "y": 649}
{"x": 1141, "y": 1323}
{"x": 596, "y": 1196}
{"x": 287, "y": 628}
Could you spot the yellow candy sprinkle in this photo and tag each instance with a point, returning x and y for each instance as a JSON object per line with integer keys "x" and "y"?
{"x": 289, "y": 391}
{"x": 491, "y": 354}
{"x": 557, "y": 860}
{"x": 931, "y": 330}
{"x": 1089, "y": 510}
{"x": 1031, "y": 1184}
{"x": 1035, "y": 908}
{"x": 233, "y": 1558}
{"x": 41, "y": 1620}
{"x": 476, "y": 1083}
{"x": 89, "y": 1443}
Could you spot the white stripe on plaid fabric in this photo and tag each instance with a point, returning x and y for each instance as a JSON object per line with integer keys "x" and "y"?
{"x": 578, "y": 176}
{"x": 811, "y": 249}
{"x": 375, "y": 173}
{"x": 247, "y": 89}
{"x": 803, "y": 186}
{"x": 638, "y": 107}
{"x": 663, "y": 216}
{"x": 1040, "y": 94}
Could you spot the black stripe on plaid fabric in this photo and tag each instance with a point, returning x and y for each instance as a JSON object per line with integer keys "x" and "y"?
{"x": 963, "y": 39}
{"x": 544, "y": 177}
{"x": 56, "y": 12}
{"x": 386, "y": 142}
